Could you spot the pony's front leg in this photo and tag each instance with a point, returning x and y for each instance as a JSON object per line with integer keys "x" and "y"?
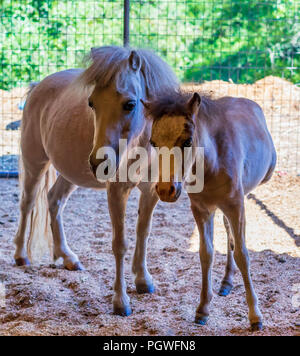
{"x": 205, "y": 223}
{"x": 118, "y": 194}
{"x": 235, "y": 213}
{"x": 148, "y": 200}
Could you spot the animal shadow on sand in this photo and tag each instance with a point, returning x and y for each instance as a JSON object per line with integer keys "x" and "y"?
{"x": 275, "y": 219}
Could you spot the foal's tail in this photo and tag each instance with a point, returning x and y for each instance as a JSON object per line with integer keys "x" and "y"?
{"x": 40, "y": 241}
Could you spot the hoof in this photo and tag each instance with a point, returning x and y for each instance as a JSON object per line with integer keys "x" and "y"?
{"x": 225, "y": 289}
{"x": 141, "y": 289}
{"x": 201, "y": 319}
{"x": 257, "y": 326}
{"x": 22, "y": 261}
{"x": 77, "y": 266}
{"x": 126, "y": 311}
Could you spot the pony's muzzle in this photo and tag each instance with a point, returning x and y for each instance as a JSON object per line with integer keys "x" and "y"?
{"x": 94, "y": 163}
{"x": 93, "y": 169}
{"x": 168, "y": 192}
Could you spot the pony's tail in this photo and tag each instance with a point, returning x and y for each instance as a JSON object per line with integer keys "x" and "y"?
{"x": 40, "y": 241}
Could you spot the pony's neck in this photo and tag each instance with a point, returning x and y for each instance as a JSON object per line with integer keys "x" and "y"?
{"x": 141, "y": 138}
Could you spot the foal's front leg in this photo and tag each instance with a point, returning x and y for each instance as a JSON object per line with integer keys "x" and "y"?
{"x": 235, "y": 213}
{"x": 117, "y": 200}
{"x": 148, "y": 200}
{"x": 205, "y": 225}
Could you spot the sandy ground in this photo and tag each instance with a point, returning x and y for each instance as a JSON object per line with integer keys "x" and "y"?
{"x": 48, "y": 300}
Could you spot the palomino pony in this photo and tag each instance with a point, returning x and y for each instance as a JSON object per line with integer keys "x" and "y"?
{"x": 238, "y": 155}
{"x": 68, "y": 116}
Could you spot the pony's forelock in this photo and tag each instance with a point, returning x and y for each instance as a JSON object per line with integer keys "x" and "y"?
{"x": 107, "y": 62}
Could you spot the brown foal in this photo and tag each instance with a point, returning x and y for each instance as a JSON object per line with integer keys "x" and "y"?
{"x": 239, "y": 155}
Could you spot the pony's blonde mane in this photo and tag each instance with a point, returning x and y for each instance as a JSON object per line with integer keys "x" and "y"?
{"x": 107, "y": 62}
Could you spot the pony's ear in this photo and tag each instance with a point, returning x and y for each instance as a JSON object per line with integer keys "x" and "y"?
{"x": 194, "y": 103}
{"x": 134, "y": 61}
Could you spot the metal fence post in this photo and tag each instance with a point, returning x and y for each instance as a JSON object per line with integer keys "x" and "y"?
{"x": 126, "y": 22}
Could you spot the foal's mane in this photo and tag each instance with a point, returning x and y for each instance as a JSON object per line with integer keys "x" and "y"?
{"x": 106, "y": 62}
{"x": 174, "y": 103}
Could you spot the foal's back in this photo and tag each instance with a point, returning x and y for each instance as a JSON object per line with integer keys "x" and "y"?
{"x": 244, "y": 145}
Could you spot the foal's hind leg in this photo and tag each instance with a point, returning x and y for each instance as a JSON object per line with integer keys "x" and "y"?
{"x": 32, "y": 175}
{"x": 57, "y": 198}
{"x": 235, "y": 213}
{"x": 227, "y": 282}
{"x": 148, "y": 200}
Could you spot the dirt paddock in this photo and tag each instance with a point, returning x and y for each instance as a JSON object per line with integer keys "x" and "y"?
{"x": 48, "y": 300}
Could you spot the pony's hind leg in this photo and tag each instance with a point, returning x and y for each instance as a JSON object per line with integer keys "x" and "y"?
{"x": 235, "y": 212}
{"x": 148, "y": 200}
{"x": 57, "y": 199}
{"x": 227, "y": 282}
{"x": 31, "y": 177}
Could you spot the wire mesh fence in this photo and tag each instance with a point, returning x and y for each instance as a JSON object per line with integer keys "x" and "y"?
{"x": 225, "y": 47}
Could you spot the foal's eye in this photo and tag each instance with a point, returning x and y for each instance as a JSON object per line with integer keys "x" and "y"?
{"x": 90, "y": 104}
{"x": 188, "y": 143}
{"x": 129, "y": 105}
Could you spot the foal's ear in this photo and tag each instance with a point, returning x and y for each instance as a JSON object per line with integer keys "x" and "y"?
{"x": 194, "y": 103}
{"x": 134, "y": 61}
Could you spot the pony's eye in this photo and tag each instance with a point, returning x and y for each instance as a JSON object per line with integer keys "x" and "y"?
{"x": 188, "y": 143}
{"x": 129, "y": 105}
{"x": 91, "y": 104}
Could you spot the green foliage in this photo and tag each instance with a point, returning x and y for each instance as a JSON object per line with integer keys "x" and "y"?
{"x": 202, "y": 40}
{"x": 248, "y": 40}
